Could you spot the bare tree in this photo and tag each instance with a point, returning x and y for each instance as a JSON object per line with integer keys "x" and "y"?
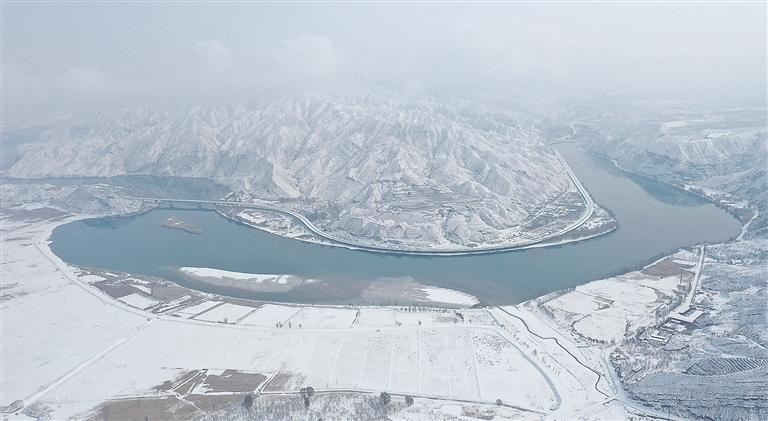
{"x": 248, "y": 401}
{"x": 306, "y": 393}
{"x": 384, "y": 398}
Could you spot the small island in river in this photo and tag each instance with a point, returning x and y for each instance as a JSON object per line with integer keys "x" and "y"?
{"x": 175, "y": 223}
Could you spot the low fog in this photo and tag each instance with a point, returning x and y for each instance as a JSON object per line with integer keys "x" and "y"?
{"x": 59, "y": 58}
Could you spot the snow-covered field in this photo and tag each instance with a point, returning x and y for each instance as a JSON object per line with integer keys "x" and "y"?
{"x": 268, "y": 315}
{"x": 198, "y": 308}
{"x": 226, "y": 313}
{"x": 609, "y": 309}
{"x": 51, "y": 326}
{"x": 138, "y": 300}
{"x": 50, "y": 365}
{"x": 318, "y": 317}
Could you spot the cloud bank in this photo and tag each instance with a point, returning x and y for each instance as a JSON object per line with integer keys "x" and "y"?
{"x": 59, "y": 57}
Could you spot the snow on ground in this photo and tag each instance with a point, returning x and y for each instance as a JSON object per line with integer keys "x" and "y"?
{"x": 686, "y": 256}
{"x": 606, "y": 326}
{"x": 427, "y": 318}
{"x": 138, "y": 300}
{"x": 128, "y": 352}
{"x": 278, "y": 224}
{"x": 376, "y": 317}
{"x": 624, "y": 292}
{"x": 270, "y": 314}
{"x": 50, "y": 324}
{"x": 90, "y": 279}
{"x": 579, "y": 303}
{"x": 563, "y": 362}
{"x": 198, "y": 308}
{"x": 225, "y": 274}
{"x": 604, "y": 310}
{"x": 449, "y": 296}
{"x": 431, "y": 361}
{"x": 227, "y": 313}
{"x": 143, "y": 288}
{"x": 326, "y": 317}
{"x": 498, "y": 374}
{"x": 322, "y": 364}
{"x": 477, "y": 316}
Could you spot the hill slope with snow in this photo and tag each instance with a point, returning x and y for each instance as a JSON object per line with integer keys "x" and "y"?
{"x": 416, "y": 172}
{"x": 718, "y": 150}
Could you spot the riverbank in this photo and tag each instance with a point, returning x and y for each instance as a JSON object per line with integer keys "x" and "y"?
{"x": 399, "y": 349}
{"x": 739, "y": 208}
{"x": 189, "y": 330}
{"x": 460, "y": 362}
{"x": 655, "y": 219}
{"x": 277, "y": 223}
{"x": 280, "y": 221}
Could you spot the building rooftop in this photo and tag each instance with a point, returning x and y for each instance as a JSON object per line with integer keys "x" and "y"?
{"x": 688, "y": 316}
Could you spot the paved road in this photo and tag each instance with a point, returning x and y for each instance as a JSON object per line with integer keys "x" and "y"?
{"x": 557, "y": 342}
{"x": 696, "y": 278}
{"x": 628, "y": 402}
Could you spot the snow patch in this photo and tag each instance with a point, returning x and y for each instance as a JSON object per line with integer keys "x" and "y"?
{"x": 449, "y": 296}
{"x": 222, "y": 274}
{"x": 139, "y": 301}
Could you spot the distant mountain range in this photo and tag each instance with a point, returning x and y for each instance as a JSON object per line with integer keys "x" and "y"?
{"x": 722, "y": 147}
{"x": 424, "y": 171}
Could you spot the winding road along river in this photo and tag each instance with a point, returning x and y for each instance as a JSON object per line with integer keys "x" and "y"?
{"x": 653, "y": 218}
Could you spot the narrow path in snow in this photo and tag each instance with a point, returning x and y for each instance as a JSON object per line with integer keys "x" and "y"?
{"x": 534, "y": 364}
{"x": 696, "y": 278}
{"x": 413, "y": 395}
{"x": 597, "y": 373}
{"x": 82, "y": 366}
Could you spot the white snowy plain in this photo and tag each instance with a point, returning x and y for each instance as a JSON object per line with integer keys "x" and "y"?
{"x": 138, "y": 300}
{"x": 128, "y": 352}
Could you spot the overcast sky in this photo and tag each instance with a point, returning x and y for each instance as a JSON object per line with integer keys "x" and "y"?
{"x": 65, "y": 56}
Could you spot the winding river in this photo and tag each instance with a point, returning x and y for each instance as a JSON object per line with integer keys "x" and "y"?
{"x": 654, "y": 219}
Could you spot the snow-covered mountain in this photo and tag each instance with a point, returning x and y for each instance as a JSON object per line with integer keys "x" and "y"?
{"x": 711, "y": 147}
{"x": 377, "y": 166}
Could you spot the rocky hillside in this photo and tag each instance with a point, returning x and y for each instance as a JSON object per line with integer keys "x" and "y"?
{"x": 717, "y": 150}
{"x": 414, "y": 171}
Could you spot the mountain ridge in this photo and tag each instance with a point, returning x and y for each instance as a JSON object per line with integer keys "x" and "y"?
{"x": 447, "y": 171}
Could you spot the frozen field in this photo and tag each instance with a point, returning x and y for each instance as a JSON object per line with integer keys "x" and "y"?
{"x": 268, "y": 315}
{"x": 607, "y": 309}
{"x": 325, "y": 317}
{"x": 138, "y": 300}
{"x": 45, "y": 316}
{"x": 226, "y": 313}
{"x": 472, "y": 355}
{"x": 198, "y": 308}
{"x": 448, "y": 362}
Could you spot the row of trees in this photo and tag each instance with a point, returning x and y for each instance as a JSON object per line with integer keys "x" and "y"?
{"x": 308, "y": 392}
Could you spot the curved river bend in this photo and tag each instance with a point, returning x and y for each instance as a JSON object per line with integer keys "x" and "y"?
{"x": 653, "y": 219}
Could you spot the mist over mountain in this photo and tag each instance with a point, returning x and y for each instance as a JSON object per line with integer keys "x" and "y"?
{"x": 376, "y": 162}
{"x": 54, "y": 64}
